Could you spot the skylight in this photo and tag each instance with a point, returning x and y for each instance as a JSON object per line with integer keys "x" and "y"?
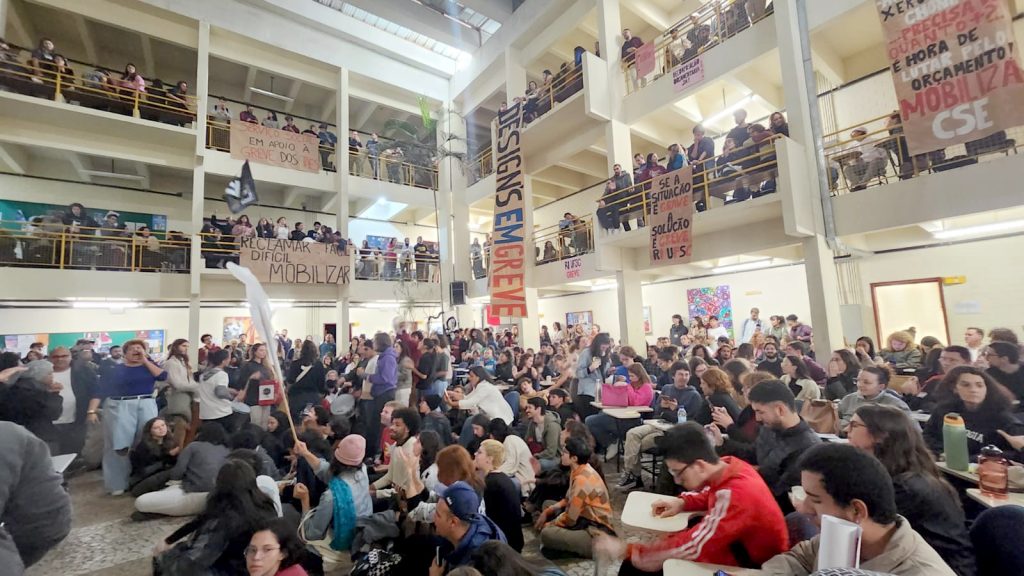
{"x": 486, "y": 26}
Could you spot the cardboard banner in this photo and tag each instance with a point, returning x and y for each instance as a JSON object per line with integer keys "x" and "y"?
{"x": 644, "y": 59}
{"x": 275, "y": 147}
{"x": 507, "y": 277}
{"x": 956, "y": 69}
{"x": 290, "y": 262}
{"x": 688, "y": 74}
{"x": 672, "y": 217}
{"x": 573, "y": 267}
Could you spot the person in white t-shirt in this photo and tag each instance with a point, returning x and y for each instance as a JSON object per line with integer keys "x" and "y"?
{"x": 215, "y": 396}
{"x": 485, "y": 398}
{"x": 715, "y": 330}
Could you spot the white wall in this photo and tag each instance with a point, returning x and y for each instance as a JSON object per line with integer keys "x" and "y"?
{"x": 994, "y": 282}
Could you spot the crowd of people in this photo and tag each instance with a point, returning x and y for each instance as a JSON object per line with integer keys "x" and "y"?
{"x": 745, "y": 169}
{"x": 347, "y": 454}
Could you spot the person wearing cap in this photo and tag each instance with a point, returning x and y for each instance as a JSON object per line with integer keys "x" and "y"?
{"x": 32, "y": 399}
{"x": 348, "y": 498}
{"x": 464, "y": 529}
{"x": 869, "y": 164}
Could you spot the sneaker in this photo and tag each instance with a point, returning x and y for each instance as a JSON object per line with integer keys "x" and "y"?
{"x": 635, "y": 484}
{"x": 626, "y": 480}
{"x": 612, "y": 452}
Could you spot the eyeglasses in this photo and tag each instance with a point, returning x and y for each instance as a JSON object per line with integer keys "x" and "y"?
{"x": 854, "y": 424}
{"x": 252, "y": 552}
{"x": 679, "y": 473}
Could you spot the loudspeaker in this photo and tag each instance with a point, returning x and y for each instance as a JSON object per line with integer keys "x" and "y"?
{"x": 458, "y": 293}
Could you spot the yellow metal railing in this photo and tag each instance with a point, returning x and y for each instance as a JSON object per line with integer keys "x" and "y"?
{"x": 748, "y": 167}
{"x": 564, "y": 240}
{"x": 718, "y": 21}
{"x": 101, "y": 92}
{"x": 481, "y": 166}
{"x": 479, "y": 260}
{"x": 48, "y": 243}
{"x": 888, "y": 156}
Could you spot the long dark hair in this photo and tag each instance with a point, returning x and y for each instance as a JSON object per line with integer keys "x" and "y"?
{"x": 871, "y": 346}
{"x": 899, "y": 445}
{"x": 430, "y": 445}
{"x": 236, "y": 501}
{"x": 165, "y": 445}
{"x": 852, "y": 364}
{"x": 496, "y": 558}
{"x": 997, "y": 398}
{"x": 309, "y": 354}
{"x": 801, "y": 367}
{"x": 601, "y": 339}
{"x": 292, "y": 548}
{"x": 173, "y": 352}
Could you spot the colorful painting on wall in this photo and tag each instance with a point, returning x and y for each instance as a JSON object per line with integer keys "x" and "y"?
{"x": 715, "y": 301}
{"x": 237, "y": 326}
{"x": 20, "y": 343}
{"x": 584, "y": 318}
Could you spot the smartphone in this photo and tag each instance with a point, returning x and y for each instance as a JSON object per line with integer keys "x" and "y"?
{"x": 437, "y": 556}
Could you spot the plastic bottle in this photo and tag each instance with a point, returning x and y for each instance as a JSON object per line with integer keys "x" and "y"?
{"x": 993, "y": 470}
{"x": 954, "y": 442}
{"x": 681, "y": 415}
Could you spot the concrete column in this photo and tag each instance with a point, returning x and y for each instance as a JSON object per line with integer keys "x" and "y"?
{"x": 515, "y": 74}
{"x": 342, "y": 177}
{"x": 452, "y": 208}
{"x": 631, "y": 311}
{"x": 620, "y": 146}
{"x": 5, "y": 5}
{"x": 822, "y": 284}
{"x": 609, "y": 34}
{"x": 198, "y": 188}
{"x": 343, "y": 319}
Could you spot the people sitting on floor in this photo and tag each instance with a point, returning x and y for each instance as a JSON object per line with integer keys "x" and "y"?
{"x": 542, "y": 434}
{"x": 843, "y": 482}
{"x": 501, "y": 496}
{"x": 196, "y": 470}
{"x": 518, "y": 461}
{"x": 215, "y": 540}
{"x": 571, "y": 524}
{"x": 275, "y": 550}
{"x": 153, "y": 458}
{"x": 742, "y": 525}
{"x": 457, "y": 520}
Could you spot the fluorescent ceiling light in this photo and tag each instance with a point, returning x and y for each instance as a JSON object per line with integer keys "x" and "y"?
{"x": 979, "y": 230}
{"x": 105, "y": 304}
{"x": 604, "y": 286}
{"x": 270, "y": 93}
{"x": 380, "y": 305}
{"x": 382, "y": 210}
{"x": 728, "y": 110}
{"x": 755, "y": 265}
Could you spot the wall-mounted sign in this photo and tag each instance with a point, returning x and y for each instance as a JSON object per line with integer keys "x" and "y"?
{"x": 573, "y": 267}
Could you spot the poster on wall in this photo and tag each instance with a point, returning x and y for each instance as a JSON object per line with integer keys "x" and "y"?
{"x": 507, "y": 277}
{"x": 237, "y": 326}
{"x": 275, "y": 147}
{"x": 580, "y": 318}
{"x": 705, "y": 302}
{"x": 378, "y": 242}
{"x": 648, "y": 329}
{"x": 20, "y": 343}
{"x": 13, "y": 211}
{"x": 671, "y": 219}
{"x": 289, "y": 262}
{"x": 956, "y": 69}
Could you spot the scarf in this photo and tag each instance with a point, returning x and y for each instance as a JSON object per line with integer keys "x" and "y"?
{"x": 344, "y": 515}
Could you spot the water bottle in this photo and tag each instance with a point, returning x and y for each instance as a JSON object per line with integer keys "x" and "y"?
{"x": 954, "y": 442}
{"x": 681, "y": 415}
{"x": 993, "y": 473}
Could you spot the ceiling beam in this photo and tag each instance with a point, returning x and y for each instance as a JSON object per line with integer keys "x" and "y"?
{"x": 78, "y": 165}
{"x": 754, "y": 82}
{"x": 83, "y": 31}
{"x": 649, "y": 13}
{"x": 14, "y": 158}
{"x": 384, "y": 100}
{"x": 293, "y": 193}
{"x": 364, "y": 116}
{"x": 250, "y": 78}
{"x": 327, "y": 108}
{"x": 24, "y": 33}
{"x": 494, "y": 9}
{"x": 423, "y": 20}
{"x": 143, "y": 170}
{"x": 593, "y": 165}
{"x": 828, "y": 62}
{"x": 293, "y": 93}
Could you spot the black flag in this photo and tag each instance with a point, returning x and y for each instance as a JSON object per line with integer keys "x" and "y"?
{"x": 241, "y": 192}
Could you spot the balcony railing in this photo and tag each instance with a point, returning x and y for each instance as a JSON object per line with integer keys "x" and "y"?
{"x": 481, "y": 166}
{"x": 51, "y": 244}
{"x": 567, "y": 82}
{"x": 720, "y": 20}
{"x": 95, "y": 90}
{"x": 747, "y": 172}
{"x": 564, "y": 240}
{"x": 479, "y": 260}
{"x": 882, "y": 154}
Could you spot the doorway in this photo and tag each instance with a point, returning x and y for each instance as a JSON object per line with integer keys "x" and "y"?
{"x": 910, "y": 303}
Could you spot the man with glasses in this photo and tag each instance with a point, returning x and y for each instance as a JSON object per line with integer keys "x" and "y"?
{"x": 77, "y": 385}
{"x": 1004, "y": 366}
{"x": 742, "y": 525}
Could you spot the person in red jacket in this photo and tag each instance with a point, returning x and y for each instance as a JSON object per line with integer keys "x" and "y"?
{"x": 742, "y": 524}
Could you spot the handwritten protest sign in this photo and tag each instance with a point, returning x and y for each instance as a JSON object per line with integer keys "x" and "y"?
{"x": 573, "y": 267}
{"x": 645, "y": 59}
{"x": 291, "y": 262}
{"x": 275, "y": 147}
{"x": 507, "y": 278}
{"x": 672, "y": 217}
{"x": 956, "y": 69}
{"x": 689, "y": 73}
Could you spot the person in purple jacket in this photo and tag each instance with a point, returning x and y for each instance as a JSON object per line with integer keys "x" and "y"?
{"x": 384, "y": 380}
{"x": 128, "y": 403}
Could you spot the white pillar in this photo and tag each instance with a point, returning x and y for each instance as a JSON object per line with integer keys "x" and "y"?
{"x": 343, "y": 181}
{"x": 198, "y": 188}
{"x": 5, "y": 5}
{"x": 631, "y": 311}
{"x": 822, "y": 285}
{"x": 515, "y": 74}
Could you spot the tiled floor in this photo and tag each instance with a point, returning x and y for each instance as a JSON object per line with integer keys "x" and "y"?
{"x": 105, "y": 542}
